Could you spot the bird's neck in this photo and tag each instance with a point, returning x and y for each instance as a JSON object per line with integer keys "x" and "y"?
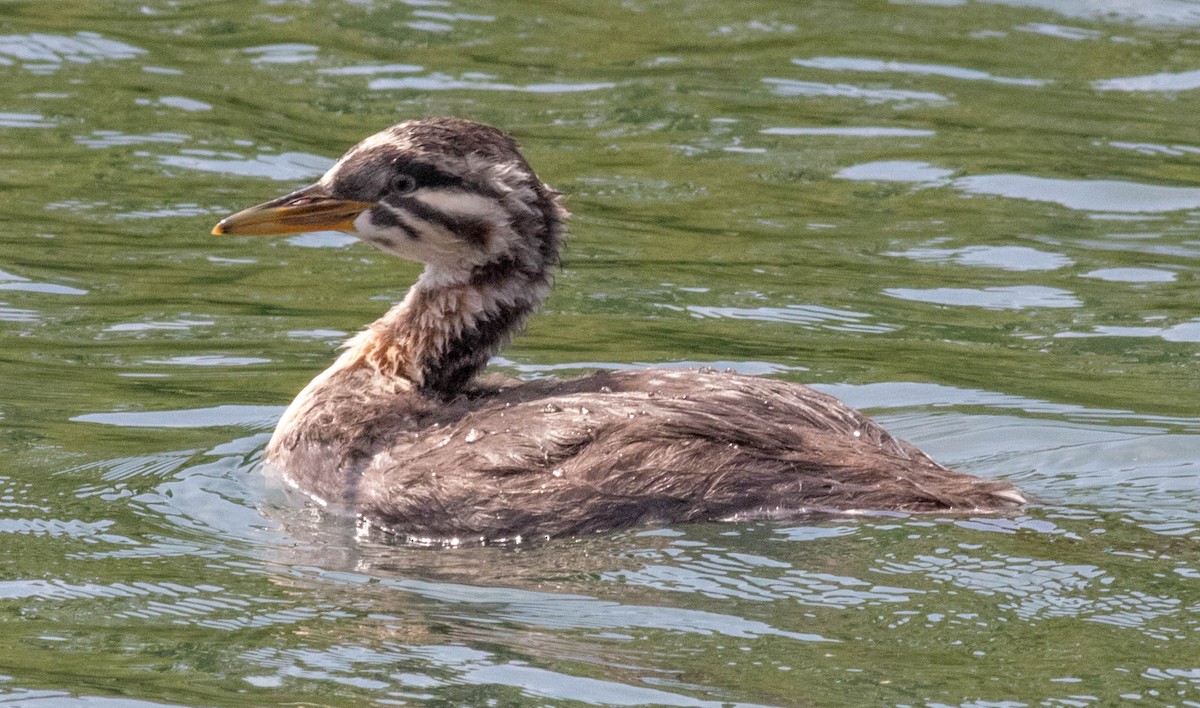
{"x": 449, "y": 324}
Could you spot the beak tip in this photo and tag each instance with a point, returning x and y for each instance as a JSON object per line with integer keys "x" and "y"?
{"x": 219, "y": 229}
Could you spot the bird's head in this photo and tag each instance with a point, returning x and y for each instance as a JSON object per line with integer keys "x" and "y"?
{"x": 449, "y": 193}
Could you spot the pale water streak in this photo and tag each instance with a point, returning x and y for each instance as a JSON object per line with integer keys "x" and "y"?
{"x": 796, "y": 87}
{"x": 880, "y": 66}
{"x": 481, "y": 82}
{"x": 1169, "y": 13}
{"x": 853, "y": 132}
{"x": 44, "y": 53}
{"x": 1101, "y": 195}
{"x": 1016, "y": 258}
{"x": 1012, "y": 297}
{"x": 287, "y": 166}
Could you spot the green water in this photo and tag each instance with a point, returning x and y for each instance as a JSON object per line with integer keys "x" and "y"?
{"x": 979, "y": 221}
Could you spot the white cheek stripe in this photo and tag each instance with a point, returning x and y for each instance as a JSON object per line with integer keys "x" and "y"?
{"x": 462, "y": 204}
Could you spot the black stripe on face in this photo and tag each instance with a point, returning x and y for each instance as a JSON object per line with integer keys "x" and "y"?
{"x": 426, "y": 175}
{"x": 429, "y": 177}
{"x": 473, "y": 231}
{"x": 383, "y": 217}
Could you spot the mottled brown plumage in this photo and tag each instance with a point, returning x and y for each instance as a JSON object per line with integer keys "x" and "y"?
{"x": 402, "y": 432}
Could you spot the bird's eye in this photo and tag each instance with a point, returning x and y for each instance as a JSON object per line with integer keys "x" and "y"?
{"x": 404, "y": 183}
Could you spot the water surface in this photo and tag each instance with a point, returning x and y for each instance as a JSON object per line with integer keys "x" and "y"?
{"x": 978, "y": 221}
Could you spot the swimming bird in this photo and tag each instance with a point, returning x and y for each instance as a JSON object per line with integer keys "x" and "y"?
{"x": 404, "y": 432}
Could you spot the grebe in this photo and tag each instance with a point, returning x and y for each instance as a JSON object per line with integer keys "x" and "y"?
{"x": 402, "y": 432}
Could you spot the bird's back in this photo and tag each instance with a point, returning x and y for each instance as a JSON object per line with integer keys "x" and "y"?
{"x": 616, "y": 449}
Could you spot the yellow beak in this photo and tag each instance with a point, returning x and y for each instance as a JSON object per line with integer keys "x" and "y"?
{"x": 306, "y": 210}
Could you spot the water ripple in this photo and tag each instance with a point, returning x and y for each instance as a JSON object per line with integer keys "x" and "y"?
{"x": 453, "y": 16}
{"x": 284, "y": 167}
{"x": 115, "y": 138}
{"x": 749, "y": 368}
{"x": 804, "y": 315}
{"x": 322, "y": 239}
{"x": 1076, "y": 34}
{"x": 45, "y": 53}
{"x": 9, "y": 281}
{"x": 481, "y": 82}
{"x": 896, "y": 171}
{"x": 173, "y": 211}
{"x": 282, "y": 53}
{"x": 44, "y": 288}
{"x": 125, "y": 468}
{"x": 428, "y": 26}
{"x": 565, "y": 611}
{"x": 882, "y": 66}
{"x": 1016, "y": 258}
{"x": 172, "y": 326}
{"x": 1142, "y": 12}
{"x": 1085, "y": 194}
{"x": 794, "y": 87}
{"x": 38, "y": 698}
{"x": 1132, "y": 275}
{"x": 928, "y": 395}
{"x": 375, "y": 668}
{"x": 330, "y": 335}
{"x": 204, "y": 605}
{"x": 1045, "y": 589}
{"x": 62, "y": 590}
{"x": 1156, "y": 149}
{"x": 1166, "y": 81}
{"x": 544, "y": 683}
{"x": 89, "y": 531}
{"x": 1012, "y": 297}
{"x": 25, "y": 120}
{"x": 210, "y": 360}
{"x": 370, "y": 69}
{"x": 16, "y": 314}
{"x": 257, "y": 417}
{"x": 1096, "y": 195}
{"x": 719, "y": 574}
{"x": 181, "y": 102}
{"x": 1182, "y": 332}
{"x": 853, "y": 131}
